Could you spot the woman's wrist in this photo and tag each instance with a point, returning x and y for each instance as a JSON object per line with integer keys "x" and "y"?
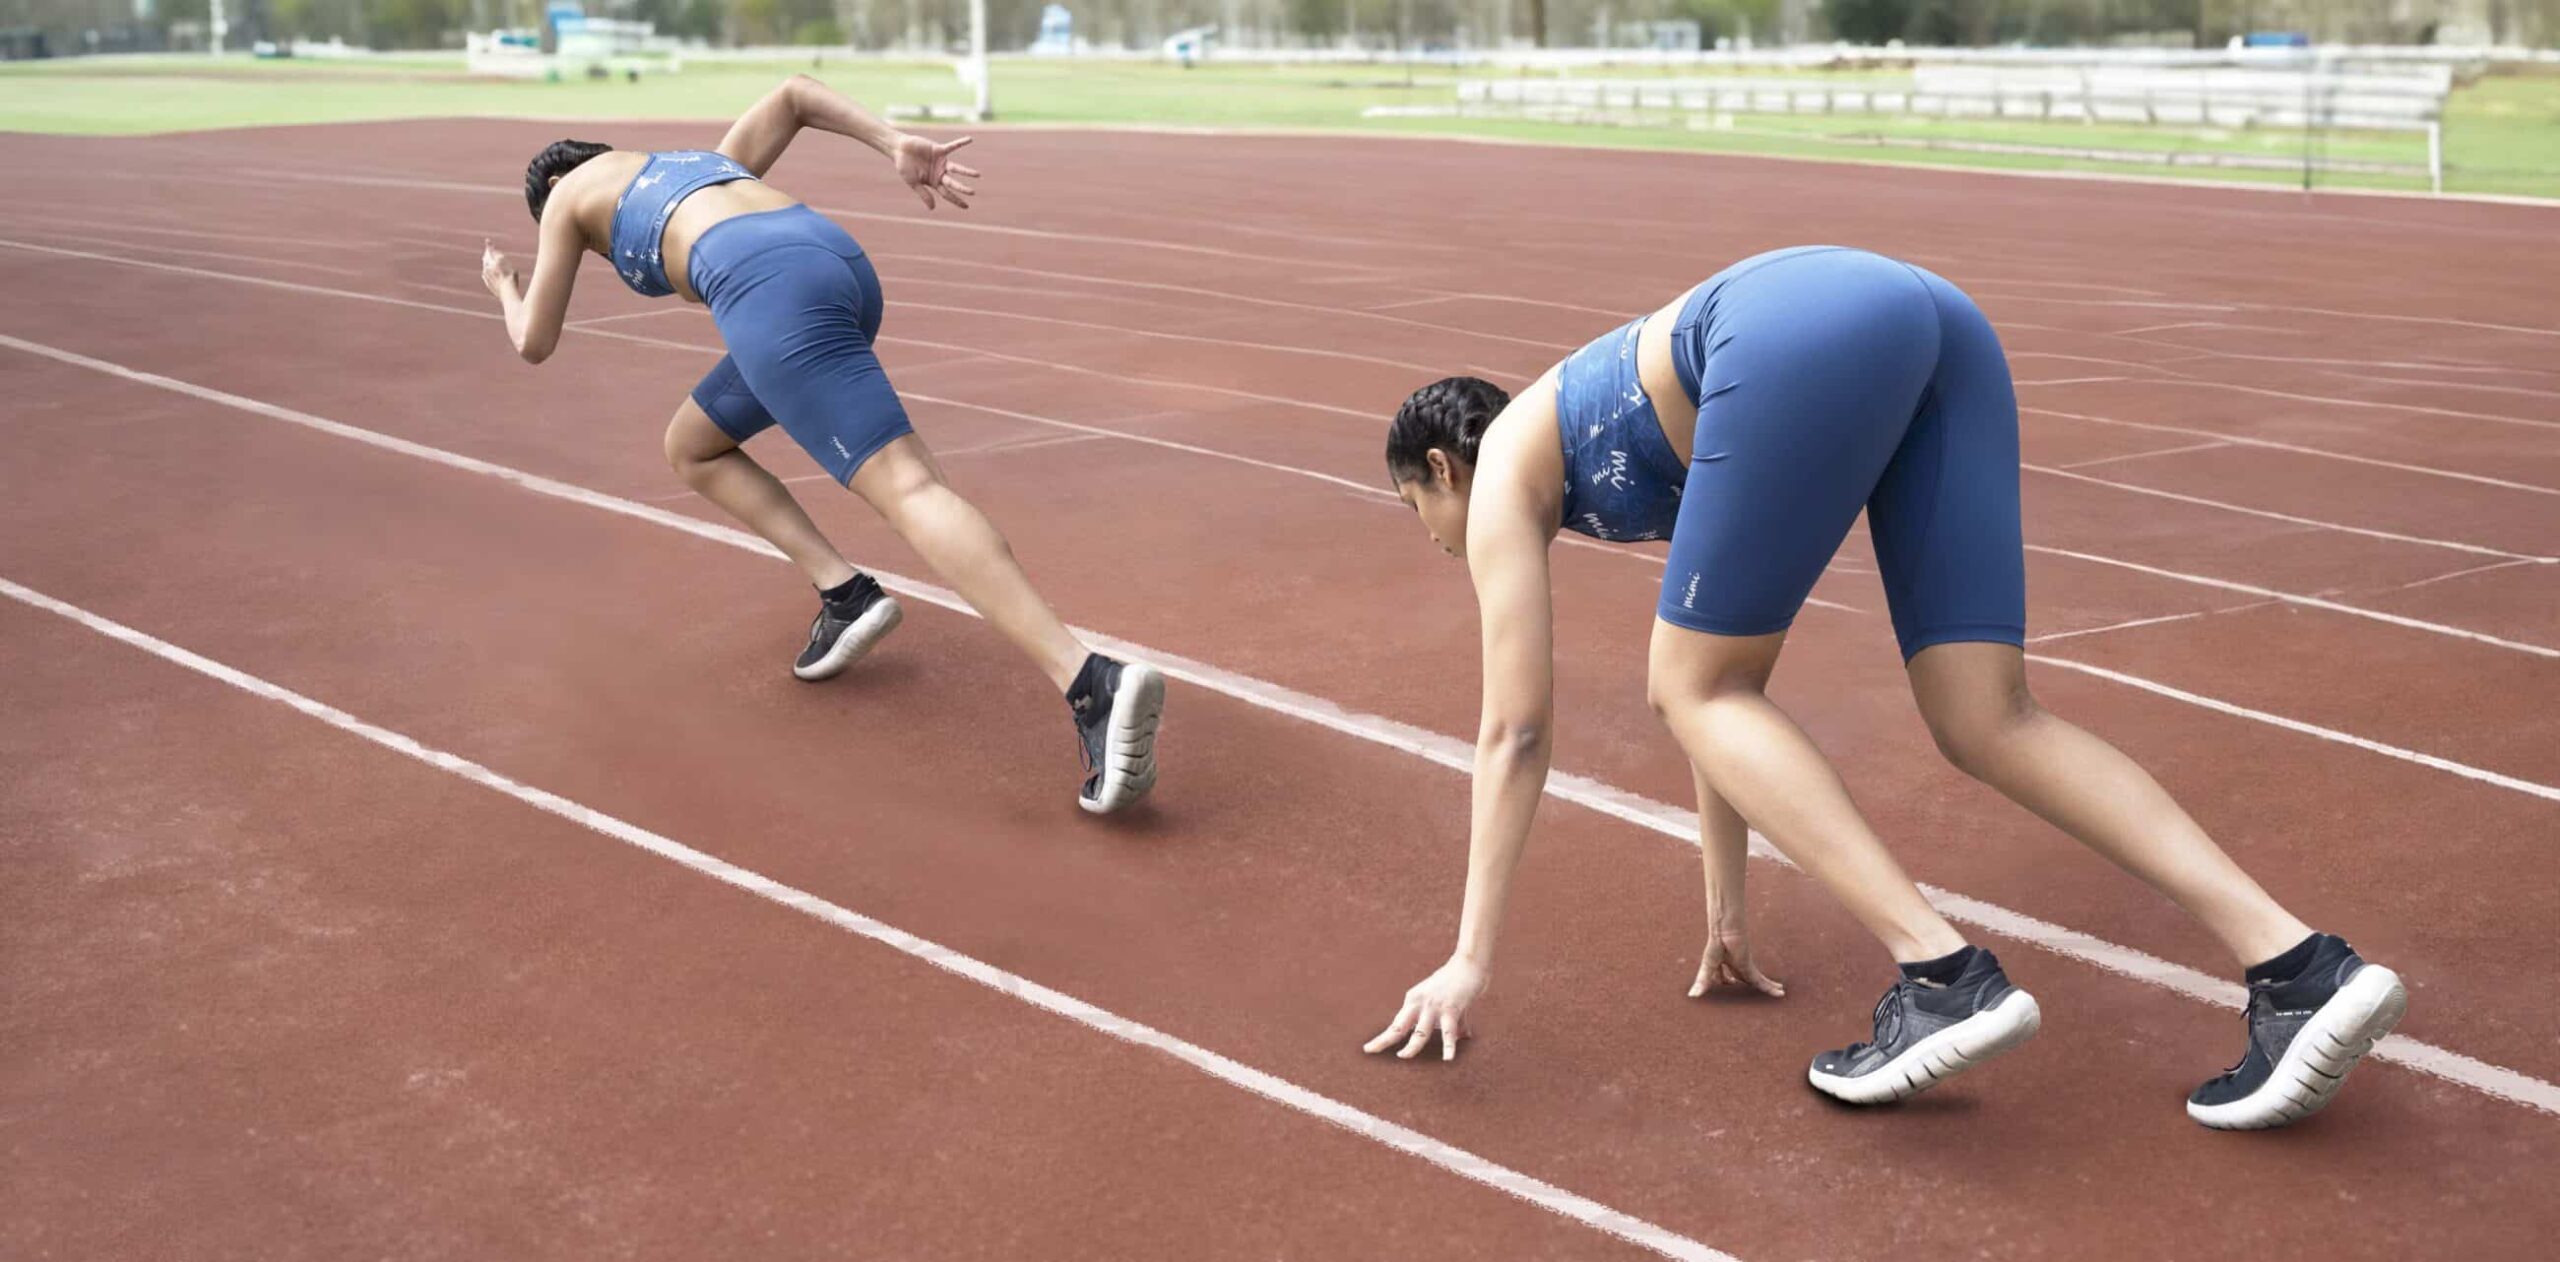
{"x": 1726, "y": 912}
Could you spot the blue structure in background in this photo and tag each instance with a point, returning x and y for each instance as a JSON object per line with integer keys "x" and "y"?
{"x": 1057, "y": 30}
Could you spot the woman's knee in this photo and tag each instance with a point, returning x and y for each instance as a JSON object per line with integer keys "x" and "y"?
{"x": 1972, "y": 727}
{"x": 693, "y": 441}
{"x": 900, "y": 481}
{"x": 1689, "y": 669}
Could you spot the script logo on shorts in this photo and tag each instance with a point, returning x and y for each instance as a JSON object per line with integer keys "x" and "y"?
{"x": 1689, "y": 596}
{"x": 841, "y": 449}
{"x": 1613, "y": 472}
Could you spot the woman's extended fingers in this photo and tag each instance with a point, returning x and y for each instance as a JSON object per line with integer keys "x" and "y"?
{"x": 1424, "y": 1026}
{"x": 1762, "y": 982}
{"x": 1450, "y": 1031}
{"x": 1710, "y": 965}
{"x": 970, "y": 171}
{"x": 1406, "y": 1017}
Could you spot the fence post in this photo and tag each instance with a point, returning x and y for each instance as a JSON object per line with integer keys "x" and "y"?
{"x": 2435, "y": 155}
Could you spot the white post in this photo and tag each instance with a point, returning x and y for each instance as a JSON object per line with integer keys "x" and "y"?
{"x": 221, "y": 28}
{"x": 2435, "y": 154}
{"x": 978, "y": 58}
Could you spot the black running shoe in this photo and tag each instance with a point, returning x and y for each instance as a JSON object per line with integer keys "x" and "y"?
{"x": 2305, "y": 1033}
{"x": 846, "y": 629}
{"x": 1117, "y": 706}
{"x": 1926, "y": 1034}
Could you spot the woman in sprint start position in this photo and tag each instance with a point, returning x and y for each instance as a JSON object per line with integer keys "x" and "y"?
{"x": 799, "y": 306}
{"x": 1749, "y": 421}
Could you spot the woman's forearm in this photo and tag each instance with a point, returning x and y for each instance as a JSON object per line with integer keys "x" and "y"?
{"x": 1511, "y": 775}
{"x": 511, "y": 306}
{"x": 822, "y": 108}
{"x": 1724, "y": 844}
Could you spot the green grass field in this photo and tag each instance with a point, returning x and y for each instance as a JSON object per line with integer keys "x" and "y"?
{"x": 2502, "y": 134}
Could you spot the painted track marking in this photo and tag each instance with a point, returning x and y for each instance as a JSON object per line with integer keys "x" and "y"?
{"x": 1412, "y": 1143}
{"x": 1447, "y": 751}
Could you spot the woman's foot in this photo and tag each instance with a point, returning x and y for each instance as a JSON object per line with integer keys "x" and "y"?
{"x": 1117, "y": 706}
{"x": 852, "y": 617}
{"x": 1927, "y": 1031}
{"x": 2313, "y": 1013}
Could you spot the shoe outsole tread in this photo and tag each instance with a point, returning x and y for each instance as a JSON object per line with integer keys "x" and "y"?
{"x": 867, "y": 631}
{"x": 1951, "y": 1051}
{"x": 1128, "y": 765}
{"x": 2328, "y": 1047}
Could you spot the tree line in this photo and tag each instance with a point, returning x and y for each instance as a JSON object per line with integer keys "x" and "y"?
{"x": 1425, "y": 24}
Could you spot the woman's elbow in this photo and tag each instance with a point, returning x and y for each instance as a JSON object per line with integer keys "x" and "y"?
{"x": 1520, "y": 738}
{"x": 536, "y": 350}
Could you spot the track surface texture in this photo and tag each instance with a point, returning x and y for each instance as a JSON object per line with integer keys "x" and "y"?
{"x": 416, "y": 846}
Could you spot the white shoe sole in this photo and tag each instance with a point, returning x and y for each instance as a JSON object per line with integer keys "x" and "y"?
{"x": 1940, "y": 1056}
{"x": 2310, "y": 1072}
{"x": 1129, "y": 747}
{"x": 873, "y": 626}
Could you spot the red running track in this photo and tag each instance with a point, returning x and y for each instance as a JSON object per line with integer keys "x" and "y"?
{"x": 276, "y": 990}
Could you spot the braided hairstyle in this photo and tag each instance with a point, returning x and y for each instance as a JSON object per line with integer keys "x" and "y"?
{"x": 1450, "y": 414}
{"x": 557, "y": 159}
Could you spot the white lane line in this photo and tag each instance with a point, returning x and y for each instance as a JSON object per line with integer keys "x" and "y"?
{"x": 1412, "y": 1143}
{"x": 191, "y": 252}
{"x": 2481, "y": 386}
{"x": 2103, "y": 302}
{"x": 592, "y": 321}
{"x": 2477, "y": 569}
{"x": 2272, "y": 515}
{"x": 2272, "y": 445}
{"x": 2334, "y": 401}
{"x": 253, "y": 238}
{"x": 2397, "y": 365}
{"x": 1224, "y": 296}
{"x": 2071, "y": 381}
{"x": 2146, "y": 455}
{"x": 902, "y": 281}
{"x": 1282, "y": 347}
{"x": 2444, "y": 321}
{"x": 1446, "y": 751}
{"x": 2017, "y": 354}
{"x": 2163, "y": 328}
{"x": 2051, "y": 636}
{"x": 2308, "y": 602}
{"x": 1516, "y": 300}
{"x": 2548, "y": 793}
{"x": 1424, "y": 301}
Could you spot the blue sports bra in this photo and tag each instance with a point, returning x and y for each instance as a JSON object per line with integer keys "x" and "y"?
{"x": 640, "y": 218}
{"x": 1622, "y": 480}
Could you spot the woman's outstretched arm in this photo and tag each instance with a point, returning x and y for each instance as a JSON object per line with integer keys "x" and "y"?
{"x": 757, "y": 139}
{"x": 1507, "y": 554}
{"x": 535, "y": 312}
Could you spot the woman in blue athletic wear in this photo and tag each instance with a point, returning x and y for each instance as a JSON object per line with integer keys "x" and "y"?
{"x": 1749, "y": 422}
{"x": 799, "y": 306}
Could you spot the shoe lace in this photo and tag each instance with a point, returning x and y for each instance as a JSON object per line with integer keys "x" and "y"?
{"x": 1887, "y": 1019}
{"x": 2262, "y": 998}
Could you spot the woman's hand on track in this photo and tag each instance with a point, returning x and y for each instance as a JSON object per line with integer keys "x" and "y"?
{"x": 1436, "y": 1006}
{"x": 927, "y": 168}
{"x": 494, "y": 270}
{"x": 1727, "y": 962}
